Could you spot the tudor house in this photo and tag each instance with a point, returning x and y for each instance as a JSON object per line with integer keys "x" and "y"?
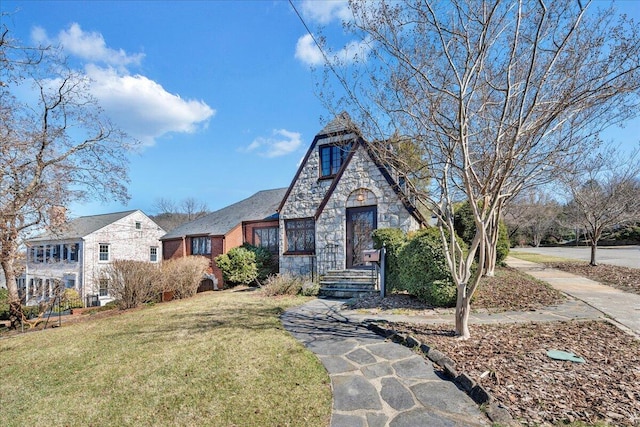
{"x": 339, "y": 195}
{"x": 322, "y": 222}
{"x": 74, "y": 254}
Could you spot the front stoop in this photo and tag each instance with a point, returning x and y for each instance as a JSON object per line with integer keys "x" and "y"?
{"x": 352, "y": 283}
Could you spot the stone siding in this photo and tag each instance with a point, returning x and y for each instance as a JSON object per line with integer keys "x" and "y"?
{"x": 361, "y": 176}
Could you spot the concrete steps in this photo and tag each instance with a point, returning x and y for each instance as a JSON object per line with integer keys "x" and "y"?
{"x": 352, "y": 283}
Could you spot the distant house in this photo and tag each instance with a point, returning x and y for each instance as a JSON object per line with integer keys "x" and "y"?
{"x": 253, "y": 220}
{"x": 75, "y": 253}
{"x": 323, "y": 221}
{"x": 340, "y": 194}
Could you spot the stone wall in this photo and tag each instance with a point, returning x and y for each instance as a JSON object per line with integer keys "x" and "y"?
{"x": 361, "y": 184}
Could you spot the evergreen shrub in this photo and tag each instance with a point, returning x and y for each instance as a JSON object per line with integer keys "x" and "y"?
{"x": 393, "y": 240}
{"x": 238, "y": 266}
{"x": 423, "y": 269}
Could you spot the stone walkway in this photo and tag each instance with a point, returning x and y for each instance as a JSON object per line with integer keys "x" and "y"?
{"x": 376, "y": 382}
{"x": 379, "y": 383}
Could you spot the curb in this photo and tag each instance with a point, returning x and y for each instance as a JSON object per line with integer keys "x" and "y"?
{"x": 496, "y": 412}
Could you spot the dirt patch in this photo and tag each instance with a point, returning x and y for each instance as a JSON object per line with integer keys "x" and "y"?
{"x": 510, "y": 361}
{"x": 623, "y": 278}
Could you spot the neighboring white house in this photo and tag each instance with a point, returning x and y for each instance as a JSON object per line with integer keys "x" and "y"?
{"x": 74, "y": 254}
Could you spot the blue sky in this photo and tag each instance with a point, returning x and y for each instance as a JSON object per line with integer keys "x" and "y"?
{"x": 222, "y": 94}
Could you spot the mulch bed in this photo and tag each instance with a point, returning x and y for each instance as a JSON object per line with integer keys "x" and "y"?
{"x": 510, "y": 362}
{"x": 509, "y": 290}
{"x": 623, "y": 278}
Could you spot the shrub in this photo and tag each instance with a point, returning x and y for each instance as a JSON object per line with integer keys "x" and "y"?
{"x": 283, "y": 284}
{"x": 4, "y": 304}
{"x": 238, "y": 266}
{"x": 71, "y": 299}
{"x": 182, "y": 276}
{"x": 30, "y": 311}
{"x": 266, "y": 264}
{"x": 310, "y": 289}
{"x": 132, "y": 283}
{"x": 423, "y": 269}
{"x": 393, "y": 240}
{"x": 503, "y": 245}
{"x": 465, "y": 228}
{"x": 628, "y": 233}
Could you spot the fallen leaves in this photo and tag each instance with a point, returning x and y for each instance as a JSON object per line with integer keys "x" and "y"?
{"x": 538, "y": 390}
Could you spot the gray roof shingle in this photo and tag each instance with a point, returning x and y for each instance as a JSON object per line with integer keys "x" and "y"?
{"x": 262, "y": 205}
{"x": 340, "y": 123}
{"x": 81, "y": 226}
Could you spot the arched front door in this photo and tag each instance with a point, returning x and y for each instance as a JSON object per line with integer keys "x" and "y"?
{"x": 361, "y": 222}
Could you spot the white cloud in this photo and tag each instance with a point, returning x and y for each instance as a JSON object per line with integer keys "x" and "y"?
{"x": 323, "y": 12}
{"x": 88, "y": 46}
{"x": 135, "y": 103}
{"x": 309, "y": 53}
{"x": 280, "y": 143}
{"x": 143, "y": 107}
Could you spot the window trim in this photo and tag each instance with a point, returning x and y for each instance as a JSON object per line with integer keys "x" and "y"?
{"x": 153, "y": 257}
{"x": 101, "y": 253}
{"x": 309, "y": 228}
{"x": 342, "y": 150}
{"x": 273, "y": 228}
{"x": 104, "y": 282}
{"x": 207, "y": 245}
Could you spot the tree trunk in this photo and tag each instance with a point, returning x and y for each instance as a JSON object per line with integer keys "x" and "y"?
{"x": 491, "y": 253}
{"x": 463, "y": 307}
{"x": 15, "y": 306}
{"x": 594, "y": 247}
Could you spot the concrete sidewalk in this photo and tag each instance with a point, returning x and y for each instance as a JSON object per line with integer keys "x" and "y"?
{"x": 376, "y": 382}
{"x": 622, "y": 307}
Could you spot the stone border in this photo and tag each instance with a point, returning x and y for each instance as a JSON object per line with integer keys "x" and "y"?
{"x": 496, "y": 412}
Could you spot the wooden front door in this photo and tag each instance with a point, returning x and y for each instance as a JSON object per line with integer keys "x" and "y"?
{"x": 360, "y": 224}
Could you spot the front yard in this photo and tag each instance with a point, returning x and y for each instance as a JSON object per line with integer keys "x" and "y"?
{"x": 219, "y": 358}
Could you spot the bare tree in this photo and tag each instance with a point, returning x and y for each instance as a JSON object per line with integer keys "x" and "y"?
{"x": 55, "y": 147}
{"x": 172, "y": 214}
{"x": 604, "y": 192}
{"x": 497, "y": 95}
{"x": 533, "y": 214}
{"x": 193, "y": 208}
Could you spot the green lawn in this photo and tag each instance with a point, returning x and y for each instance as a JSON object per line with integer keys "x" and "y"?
{"x": 219, "y": 359}
{"x": 539, "y": 258}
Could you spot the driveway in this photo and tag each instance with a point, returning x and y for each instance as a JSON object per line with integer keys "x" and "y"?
{"x": 625, "y": 256}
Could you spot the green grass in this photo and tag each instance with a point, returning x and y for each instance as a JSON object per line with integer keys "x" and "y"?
{"x": 219, "y": 359}
{"x": 539, "y": 258}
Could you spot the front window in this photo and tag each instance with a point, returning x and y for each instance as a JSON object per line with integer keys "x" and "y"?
{"x": 331, "y": 158}
{"x": 104, "y": 252}
{"x": 201, "y": 246}
{"x": 74, "y": 248}
{"x": 104, "y": 288}
{"x": 138, "y": 225}
{"x": 153, "y": 254}
{"x": 301, "y": 235}
{"x": 266, "y": 237}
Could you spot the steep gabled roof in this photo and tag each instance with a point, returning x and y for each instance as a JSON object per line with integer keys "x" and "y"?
{"x": 81, "y": 226}
{"x": 261, "y": 206}
{"x": 342, "y": 129}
